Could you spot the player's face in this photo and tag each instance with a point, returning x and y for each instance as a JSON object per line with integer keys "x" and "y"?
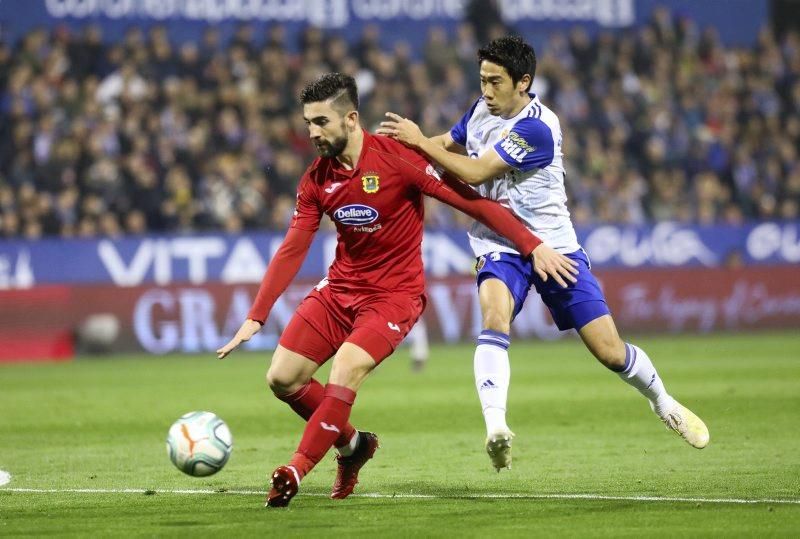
{"x": 327, "y": 128}
{"x": 502, "y": 96}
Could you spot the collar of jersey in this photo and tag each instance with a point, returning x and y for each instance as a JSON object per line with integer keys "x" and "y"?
{"x": 337, "y": 167}
{"x": 533, "y": 100}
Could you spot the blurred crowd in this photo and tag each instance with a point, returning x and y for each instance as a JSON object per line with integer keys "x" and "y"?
{"x": 102, "y": 137}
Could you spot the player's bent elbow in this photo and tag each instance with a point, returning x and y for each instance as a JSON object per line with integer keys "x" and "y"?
{"x": 475, "y": 178}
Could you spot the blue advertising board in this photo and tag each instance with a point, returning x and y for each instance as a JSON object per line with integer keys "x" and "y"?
{"x": 218, "y": 258}
{"x": 737, "y": 21}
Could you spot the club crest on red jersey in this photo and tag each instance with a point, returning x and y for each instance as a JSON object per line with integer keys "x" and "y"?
{"x": 370, "y": 183}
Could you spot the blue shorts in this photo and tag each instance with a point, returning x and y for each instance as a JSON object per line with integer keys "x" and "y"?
{"x": 572, "y": 307}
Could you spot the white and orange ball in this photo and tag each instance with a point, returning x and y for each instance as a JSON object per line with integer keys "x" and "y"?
{"x": 199, "y": 443}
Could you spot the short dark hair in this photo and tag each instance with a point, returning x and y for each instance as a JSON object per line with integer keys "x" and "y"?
{"x": 512, "y": 53}
{"x": 338, "y": 86}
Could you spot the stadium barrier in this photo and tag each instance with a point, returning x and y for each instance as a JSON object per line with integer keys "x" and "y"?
{"x": 57, "y": 321}
{"x": 241, "y": 258}
{"x": 737, "y": 21}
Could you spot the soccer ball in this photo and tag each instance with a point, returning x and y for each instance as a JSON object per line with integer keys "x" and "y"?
{"x": 199, "y": 443}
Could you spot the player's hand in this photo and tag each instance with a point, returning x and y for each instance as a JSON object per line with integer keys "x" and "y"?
{"x": 248, "y": 329}
{"x": 401, "y": 129}
{"x": 546, "y": 262}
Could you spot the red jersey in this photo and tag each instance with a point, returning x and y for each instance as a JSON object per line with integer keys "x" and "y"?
{"x": 378, "y": 212}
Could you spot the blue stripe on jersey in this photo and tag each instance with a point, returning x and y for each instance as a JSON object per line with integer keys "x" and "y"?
{"x": 528, "y": 146}
{"x": 459, "y": 131}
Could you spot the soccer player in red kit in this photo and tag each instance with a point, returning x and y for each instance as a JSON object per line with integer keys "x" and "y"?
{"x": 371, "y": 187}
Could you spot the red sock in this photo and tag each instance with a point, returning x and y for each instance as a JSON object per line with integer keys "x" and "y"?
{"x": 324, "y": 426}
{"x": 306, "y": 400}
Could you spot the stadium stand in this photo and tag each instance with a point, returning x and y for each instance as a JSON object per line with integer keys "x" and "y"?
{"x": 102, "y": 137}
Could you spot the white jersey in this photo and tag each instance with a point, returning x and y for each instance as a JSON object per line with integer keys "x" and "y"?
{"x": 530, "y": 143}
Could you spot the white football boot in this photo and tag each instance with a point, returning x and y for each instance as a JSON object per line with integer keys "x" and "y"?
{"x": 498, "y": 446}
{"x": 685, "y": 423}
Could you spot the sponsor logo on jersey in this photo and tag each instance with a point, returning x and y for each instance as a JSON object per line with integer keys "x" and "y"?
{"x": 521, "y": 142}
{"x": 356, "y": 215}
{"x": 370, "y": 183}
{"x": 370, "y": 229}
{"x": 516, "y": 147}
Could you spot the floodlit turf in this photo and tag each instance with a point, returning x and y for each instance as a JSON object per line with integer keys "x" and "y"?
{"x": 101, "y": 424}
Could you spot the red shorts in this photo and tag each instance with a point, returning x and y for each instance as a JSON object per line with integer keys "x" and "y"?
{"x": 325, "y": 320}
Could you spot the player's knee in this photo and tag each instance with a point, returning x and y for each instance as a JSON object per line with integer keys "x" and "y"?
{"x": 496, "y": 321}
{"x": 282, "y": 382}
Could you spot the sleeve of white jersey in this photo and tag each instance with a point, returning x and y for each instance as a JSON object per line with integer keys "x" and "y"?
{"x": 529, "y": 145}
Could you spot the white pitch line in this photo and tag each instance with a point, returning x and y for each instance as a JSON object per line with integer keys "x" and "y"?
{"x": 509, "y": 496}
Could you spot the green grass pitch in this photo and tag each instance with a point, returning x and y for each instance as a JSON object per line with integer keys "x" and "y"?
{"x": 101, "y": 423}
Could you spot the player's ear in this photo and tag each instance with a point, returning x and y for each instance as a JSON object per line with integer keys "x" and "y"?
{"x": 351, "y": 120}
{"x": 524, "y": 83}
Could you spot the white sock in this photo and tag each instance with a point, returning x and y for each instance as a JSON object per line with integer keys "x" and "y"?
{"x": 492, "y": 376}
{"x": 349, "y": 449}
{"x": 641, "y": 374}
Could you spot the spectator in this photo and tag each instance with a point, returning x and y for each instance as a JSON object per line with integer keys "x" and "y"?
{"x": 143, "y": 135}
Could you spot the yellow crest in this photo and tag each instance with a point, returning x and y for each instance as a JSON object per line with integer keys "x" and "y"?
{"x": 370, "y": 183}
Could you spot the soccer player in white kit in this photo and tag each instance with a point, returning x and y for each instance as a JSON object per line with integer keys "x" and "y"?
{"x": 508, "y": 146}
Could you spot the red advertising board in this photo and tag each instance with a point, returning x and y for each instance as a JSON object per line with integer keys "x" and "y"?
{"x": 42, "y": 322}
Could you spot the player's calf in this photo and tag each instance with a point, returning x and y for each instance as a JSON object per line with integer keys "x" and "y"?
{"x": 639, "y": 372}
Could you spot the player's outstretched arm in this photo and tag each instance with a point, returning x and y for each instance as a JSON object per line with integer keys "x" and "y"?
{"x": 279, "y": 274}
{"x": 469, "y": 170}
{"x": 445, "y": 140}
{"x": 546, "y": 261}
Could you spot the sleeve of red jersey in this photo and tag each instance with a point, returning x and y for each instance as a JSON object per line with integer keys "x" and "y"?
{"x": 287, "y": 261}
{"x": 307, "y": 211}
{"x": 282, "y": 269}
{"x": 465, "y": 199}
